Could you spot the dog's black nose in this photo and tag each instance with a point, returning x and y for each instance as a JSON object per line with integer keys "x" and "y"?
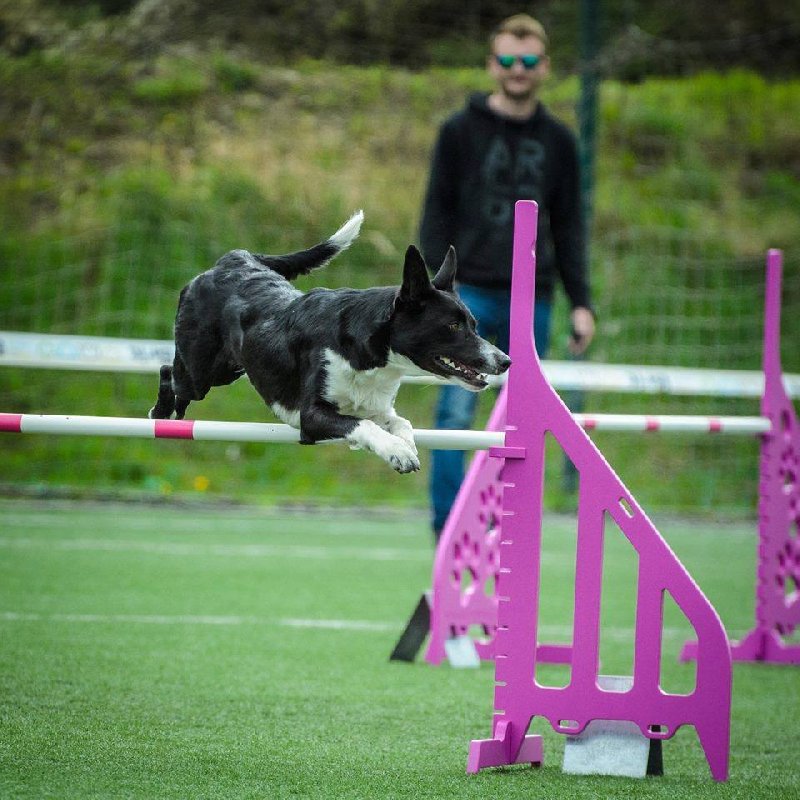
{"x": 503, "y": 363}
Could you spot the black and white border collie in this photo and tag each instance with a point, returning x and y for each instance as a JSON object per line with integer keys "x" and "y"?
{"x": 329, "y": 361}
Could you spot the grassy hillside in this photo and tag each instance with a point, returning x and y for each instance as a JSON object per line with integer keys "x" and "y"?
{"x": 123, "y": 174}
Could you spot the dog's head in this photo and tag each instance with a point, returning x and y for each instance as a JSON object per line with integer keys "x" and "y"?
{"x": 435, "y": 330}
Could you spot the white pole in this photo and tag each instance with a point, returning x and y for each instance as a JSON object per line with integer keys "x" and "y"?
{"x": 666, "y": 423}
{"x": 204, "y": 430}
{"x": 57, "y": 351}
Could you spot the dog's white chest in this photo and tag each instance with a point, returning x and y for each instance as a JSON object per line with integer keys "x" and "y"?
{"x": 368, "y": 393}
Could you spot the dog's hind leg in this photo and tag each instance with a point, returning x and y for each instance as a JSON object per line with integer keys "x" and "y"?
{"x": 183, "y": 387}
{"x": 221, "y": 373}
{"x": 165, "y": 403}
{"x": 175, "y": 391}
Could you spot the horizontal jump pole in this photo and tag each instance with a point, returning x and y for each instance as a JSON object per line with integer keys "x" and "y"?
{"x": 107, "y": 354}
{"x": 673, "y": 423}
{"x": 215, "y": 431}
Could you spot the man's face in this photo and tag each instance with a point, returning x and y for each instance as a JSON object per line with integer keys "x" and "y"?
{"x": 516, "y": 81}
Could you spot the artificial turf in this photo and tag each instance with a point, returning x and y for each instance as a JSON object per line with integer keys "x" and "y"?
{"x": 162, "y": 652}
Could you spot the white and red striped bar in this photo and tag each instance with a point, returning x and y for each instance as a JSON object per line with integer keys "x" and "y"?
{"x": 666, "y": 423}
{"x": 212, "y": 431}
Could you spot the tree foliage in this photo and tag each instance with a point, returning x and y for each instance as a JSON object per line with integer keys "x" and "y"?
{"x": 638, "y": 37}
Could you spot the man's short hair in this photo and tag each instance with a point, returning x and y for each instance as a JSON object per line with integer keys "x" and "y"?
{"x": 521, "y": 26}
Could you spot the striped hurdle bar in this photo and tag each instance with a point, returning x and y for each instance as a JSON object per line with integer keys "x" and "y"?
{"x": 214, "y": 431}
{"x": 278, "y": 433}
{"x": 533, "y": 409}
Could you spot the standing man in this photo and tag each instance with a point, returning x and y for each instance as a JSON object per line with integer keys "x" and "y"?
{"x": 503, "y": 147}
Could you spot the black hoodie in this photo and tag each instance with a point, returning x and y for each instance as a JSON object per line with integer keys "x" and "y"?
{"x": 482, "y": 164}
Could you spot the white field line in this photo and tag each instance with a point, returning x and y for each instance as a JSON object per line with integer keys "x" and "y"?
{"x": 270, "y": 524}
{"x": 560, "y": 632}
{"x": 201, "y": 619}
{"x": 320, "y": 552}
{"x": 262, "y": 523}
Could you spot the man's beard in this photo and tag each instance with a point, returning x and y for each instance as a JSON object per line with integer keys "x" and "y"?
{"x": 518, "y": 96}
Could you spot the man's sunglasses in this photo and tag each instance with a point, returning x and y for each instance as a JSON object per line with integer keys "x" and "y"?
{"x": 529, "y": 62}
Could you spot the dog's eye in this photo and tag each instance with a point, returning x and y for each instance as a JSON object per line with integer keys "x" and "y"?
{"x": 455, "y": 326}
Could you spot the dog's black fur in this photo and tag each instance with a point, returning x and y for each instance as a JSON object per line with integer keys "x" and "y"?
{"x": 329, "y": 361}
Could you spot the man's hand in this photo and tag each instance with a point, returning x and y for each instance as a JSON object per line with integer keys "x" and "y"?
{"x": 582, "y": 334}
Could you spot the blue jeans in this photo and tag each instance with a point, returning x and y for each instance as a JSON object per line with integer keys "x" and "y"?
{"x": 456, "y": 407}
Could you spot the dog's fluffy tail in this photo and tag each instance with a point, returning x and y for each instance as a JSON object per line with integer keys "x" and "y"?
{"x": 302, "y": 262}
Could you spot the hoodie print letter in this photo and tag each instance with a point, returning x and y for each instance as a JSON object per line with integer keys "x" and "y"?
{"x": 509, "y": 176}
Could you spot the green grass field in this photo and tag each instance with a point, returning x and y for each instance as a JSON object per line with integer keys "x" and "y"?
{"x": 162, "y": 652}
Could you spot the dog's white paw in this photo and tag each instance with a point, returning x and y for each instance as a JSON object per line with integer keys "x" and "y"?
{"x": 400, "y": 427}
{"x": 404, "y": 459}
{"x": 395, "y": 451}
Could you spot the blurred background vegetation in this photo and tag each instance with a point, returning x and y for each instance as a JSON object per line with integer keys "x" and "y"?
{"x": 141, "y": 140}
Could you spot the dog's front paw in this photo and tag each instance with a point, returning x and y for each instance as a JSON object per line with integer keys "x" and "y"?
{"x": 404, "y": 459}
{"x": 400, "y": 427}
{"x": 396, "y": 452}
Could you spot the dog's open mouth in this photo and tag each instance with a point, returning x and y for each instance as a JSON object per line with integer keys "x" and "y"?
{"x": 462, "y": 371}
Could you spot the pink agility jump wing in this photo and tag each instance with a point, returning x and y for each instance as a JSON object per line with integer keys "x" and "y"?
{"x": 467, "y": 561}
{"x": 533, "y": 410}
{"x": 778, "y": 576}
{"x": 466, "y": 568}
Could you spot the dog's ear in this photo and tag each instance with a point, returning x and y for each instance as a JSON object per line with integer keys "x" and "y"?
{"x": 446, "y": 276}
{"x": 416, "y": 282}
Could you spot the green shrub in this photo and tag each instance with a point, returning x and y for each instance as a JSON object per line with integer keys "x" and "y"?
{"x": 234, "y": 76}
{"x": 177, "y": 83}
